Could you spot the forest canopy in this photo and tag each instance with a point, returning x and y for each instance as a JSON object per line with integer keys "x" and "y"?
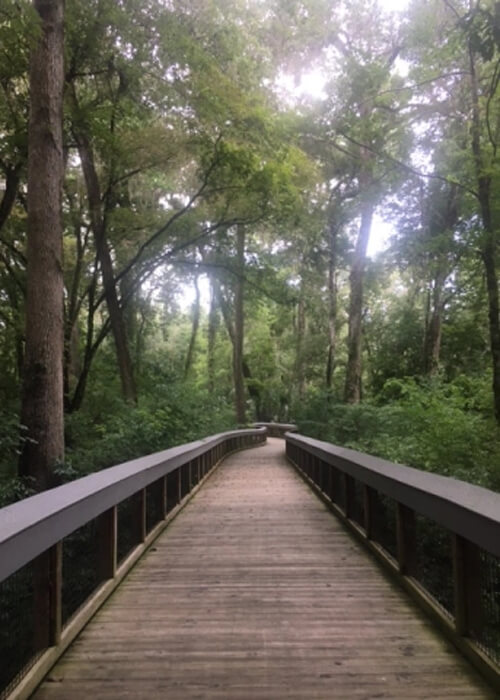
{"x": 246, "y": 210}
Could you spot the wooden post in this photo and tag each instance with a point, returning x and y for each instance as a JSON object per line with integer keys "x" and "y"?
{"x": 370, "y": 508}
{"x": 164, "y": 497}
{"x": 407, "y": 540}
{"x": 350, "y": 496}
{"x": 141, "y": 515}
{"x": 467, "y": 585}
{"x": 47, "y": 598}
{"x": 331, "y": 490}
{"x": 107, "y": 537}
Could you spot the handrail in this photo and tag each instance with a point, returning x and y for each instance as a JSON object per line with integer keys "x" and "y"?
{"x": 463, "y": 508}
{"x": 439, "y": 536}
{"x": 116, "y": 513}
{"x": 34, "y": 524}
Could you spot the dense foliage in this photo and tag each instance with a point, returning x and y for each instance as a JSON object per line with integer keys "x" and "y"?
{"x": 228, "y": 168}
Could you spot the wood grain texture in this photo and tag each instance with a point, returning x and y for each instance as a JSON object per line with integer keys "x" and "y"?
{"x": 256, "y": 592}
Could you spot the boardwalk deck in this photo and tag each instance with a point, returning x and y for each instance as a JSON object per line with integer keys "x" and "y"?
{"x": 256, "y": 592}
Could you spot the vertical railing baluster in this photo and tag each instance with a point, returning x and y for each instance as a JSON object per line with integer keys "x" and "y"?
{"x": 47, "y": 598}
{"x": 141, "y": 515}
{"x": 164, "y": 497}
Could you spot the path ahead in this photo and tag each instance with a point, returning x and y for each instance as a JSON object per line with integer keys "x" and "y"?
{"x": 255, "y": 591}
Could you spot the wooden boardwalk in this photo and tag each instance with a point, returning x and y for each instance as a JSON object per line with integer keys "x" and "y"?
{"x": 256, "y": 592}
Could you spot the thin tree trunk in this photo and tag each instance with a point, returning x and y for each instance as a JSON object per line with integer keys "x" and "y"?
{"x": 194, "y": 330}
{"x": 352, "y": 392}
{"x": 332, "y": 304}
{"x": 42, "y": 404}
{"x": 239, "y": 321}
{"x": 434, "y": 324}
{"x": 299, "y": 347}
{"x": 104, "y": 255}
{"x": 212, "y": 334}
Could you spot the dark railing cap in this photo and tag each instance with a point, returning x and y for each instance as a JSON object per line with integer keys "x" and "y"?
{"x": 465, "y": 509}
{"x": 31, "y": 526}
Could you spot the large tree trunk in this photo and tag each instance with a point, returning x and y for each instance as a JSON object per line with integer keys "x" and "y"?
{"x": 352, "y": 392}
{"x": 42, "y": 404}
{"x": 194, "y": 330}
{"x": 239, "y": 321}
{"x": 104, "y": 256}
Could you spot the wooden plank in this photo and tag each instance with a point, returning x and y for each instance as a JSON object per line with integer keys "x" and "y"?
{"x": 256, "y": 591}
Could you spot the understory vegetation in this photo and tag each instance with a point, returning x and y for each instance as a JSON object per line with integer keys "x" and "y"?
{"x": 269, "y": 211}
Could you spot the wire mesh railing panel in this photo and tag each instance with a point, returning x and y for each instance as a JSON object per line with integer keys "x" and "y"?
{"x": 154, "y": 504}
{"x": 338, "y": 488}
{"x": 127, "y": 527}
{"x": 487, "y": 633}
{"x": 434, "y": 563}
{"x": 185, "y": 476}
{"x": 17, "y": 652}
{"x": 358, "y": 506}
{"x": 384, "y": 530}
{"x": 173, "y": 489}
{"x": 79, "y": 570}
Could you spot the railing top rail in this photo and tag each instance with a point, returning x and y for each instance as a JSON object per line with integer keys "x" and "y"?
{"x": 31, "y": 526}
{"x": 465, "y": 509}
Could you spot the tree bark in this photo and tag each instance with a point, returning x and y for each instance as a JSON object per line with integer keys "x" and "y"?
{"x": 352, "y": 392}
{"x": 239, "y": 329}
{"x": 98, "y": 224}
{"x": 42, "y": 404}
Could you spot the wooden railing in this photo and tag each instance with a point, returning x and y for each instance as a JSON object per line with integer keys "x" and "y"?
{"x": 439, "y": 536}
{"x": 64, "y": 551}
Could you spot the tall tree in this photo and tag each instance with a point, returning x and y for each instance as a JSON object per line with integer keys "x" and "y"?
{"x": 42, "y": 405}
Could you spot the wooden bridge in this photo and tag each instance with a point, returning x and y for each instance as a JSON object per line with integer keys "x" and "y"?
{"x": 238, "y": 582}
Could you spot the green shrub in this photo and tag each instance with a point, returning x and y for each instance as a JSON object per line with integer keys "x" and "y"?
{"x": 434, "y": 426}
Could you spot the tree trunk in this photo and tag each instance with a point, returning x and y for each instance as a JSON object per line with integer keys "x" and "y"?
{"x": 489, "y": 245}
{"x": 98, "y": 223}
{"x": 352, "y": 392}
{"x": 42, "y": 404}
{"x": 239, "y": 384}
{"x": 434, "y": 323}
{"x": 212, "y": 334}
{"x": 299, "y": 348}
{"x": 332, "y": 303}
{"x": 194, "y": 330}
